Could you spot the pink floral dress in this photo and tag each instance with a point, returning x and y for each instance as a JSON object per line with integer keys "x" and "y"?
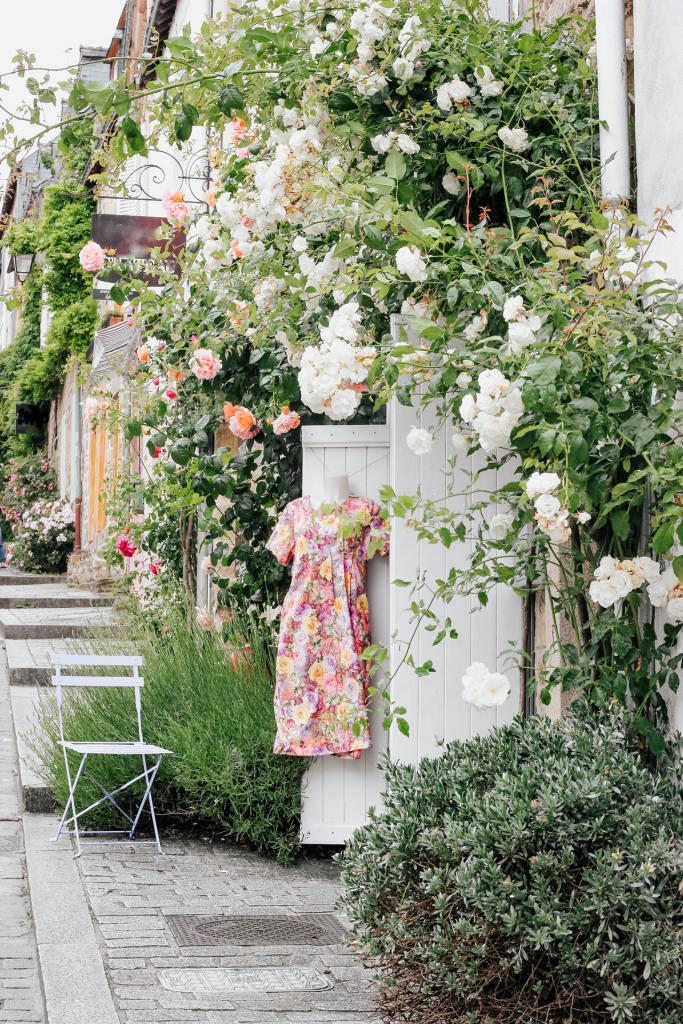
{"x": 321, "y": 682}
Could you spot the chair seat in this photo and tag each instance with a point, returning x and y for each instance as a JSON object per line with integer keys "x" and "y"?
{"x": 115, "y": 748}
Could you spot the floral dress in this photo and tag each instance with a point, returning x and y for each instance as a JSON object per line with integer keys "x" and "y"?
{"x": 321, "y": 681}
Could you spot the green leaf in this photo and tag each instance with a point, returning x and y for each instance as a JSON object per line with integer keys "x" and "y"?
{"x": 373, "y": 238}
{"x": 117, "y": 295}
{"x": 677, "y": 566}
{"x": 639, "y": 431}
{"x": 134, "y": 136}
{"x": 642, "y": 724}
{"x": 527, "y": 43}
{"x": 599, "y": 222}
{"x": 395, "y": 165}
{"x": 345, "y": 247}
{"x": 403, "y": 726}
{"x": 656, "y": 743}
{"x": 229, "y": 99}
{"x": 620, "y": 524}
{"x": 133, "y": 429}
{"x": 545, "y": 369}
{"x": 456, "y": 161}
{"x": 664, "y": 538}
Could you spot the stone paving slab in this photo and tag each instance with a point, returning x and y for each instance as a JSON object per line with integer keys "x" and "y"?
{"x": 20, "y": 988}
{"x": 52, "y": 623}
{"x": 129, "y": 891}
{"x": 51, "y": 595}
{"x": 14, "y": 578}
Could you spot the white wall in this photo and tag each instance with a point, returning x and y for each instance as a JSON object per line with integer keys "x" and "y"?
{"x": 658, "y": 72}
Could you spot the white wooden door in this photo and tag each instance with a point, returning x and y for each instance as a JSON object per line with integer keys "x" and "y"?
{"x": 336, "y": 792}
{"x": 436, "y": 711}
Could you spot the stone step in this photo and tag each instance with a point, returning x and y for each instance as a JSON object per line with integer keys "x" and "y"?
{"x": 29, "y": 660}
{"x": 13, "y": 578}
{"x": 26, "y": 704}
{"x": 51, "y": 595}
{"x": 52, "y": 623}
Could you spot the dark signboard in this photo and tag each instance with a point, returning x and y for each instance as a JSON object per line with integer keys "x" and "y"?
{"x": 31, "y": 419}
{"x": 133, "y": 238}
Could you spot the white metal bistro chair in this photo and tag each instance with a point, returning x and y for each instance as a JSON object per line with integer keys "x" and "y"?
{"x": 136, "y": 748}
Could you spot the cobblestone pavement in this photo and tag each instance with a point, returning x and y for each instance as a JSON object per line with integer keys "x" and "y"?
{"x": 131, "y": 891}
{"x": 20, "y": 990}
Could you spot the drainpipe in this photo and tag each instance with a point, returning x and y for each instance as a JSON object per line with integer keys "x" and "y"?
{"x": 77, "y": 481}
{"x": 612, "y": 99}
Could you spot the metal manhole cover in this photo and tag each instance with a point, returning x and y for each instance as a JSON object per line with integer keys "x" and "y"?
{"x": 253, "y": 930}
{"x": 244, "y": 979}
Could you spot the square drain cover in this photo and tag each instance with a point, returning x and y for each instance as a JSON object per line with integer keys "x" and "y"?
{"x": 253, "y": 930}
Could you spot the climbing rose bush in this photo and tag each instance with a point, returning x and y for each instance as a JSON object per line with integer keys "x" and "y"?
{"x": 45, "y": 537}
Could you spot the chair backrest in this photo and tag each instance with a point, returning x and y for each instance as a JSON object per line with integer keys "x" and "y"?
{"x": 85, "y": 661}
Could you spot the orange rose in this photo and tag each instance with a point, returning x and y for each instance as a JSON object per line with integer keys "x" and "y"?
{"x": 301, "y": 714}
{"x": 143, "y": 354}
{"x": 325, "y": 569}
{"x": 346, "y": 657}
{"x": 362, "y": 604}
{"x": 338, "y": 606}
{"x": 344, "y": 709}
{"x": 301, "y": 545}
{"x": 243, "y": 418}
{"x": 285, "y": 666}
{"x": 228, "y": 410}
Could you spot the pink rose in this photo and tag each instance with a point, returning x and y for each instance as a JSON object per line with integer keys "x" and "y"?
{"x": 236, "y": 130}
{"x": 286, "y": 421}
{"x": 91, "y": 257}
{"x": 243, "y": 423}
{"x": 205, "y": 365}
{"x": 126, "y": 546}
{"x": 143, "y": 354}
{"x": 171, "y": 394}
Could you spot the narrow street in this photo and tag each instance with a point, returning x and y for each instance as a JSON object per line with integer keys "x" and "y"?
{"x": 210, "y": 931}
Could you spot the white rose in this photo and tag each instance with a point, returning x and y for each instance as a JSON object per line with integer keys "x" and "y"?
{"x": 500, "y": 525}
{"x": 514, "y": 138}
{"x": 382, "y": 143}
{"x": 403, "y": 68}
{"x": 483, "y": 689}
{"x": 542, "y": 483}
{"x": 475, "y": 674}
{"x": 452, "y": 92}
{"x": 487, "y": 83}
{"x": 420, "y": 441}
{"x": 547, "y": 505}
{"x": 468, "y": 409}
{"x": 493, "y": 431}
{"x": 602, "y": 593}
{"x": 519, "y": 336}
{"x": 514, "y": 305}
{"x": 512, "y": 403}
{"x": 493, "y": 383}
{"x": 461, "y": 442}
{"x": 646, "y": 568}
{"x": 407, "y": 145}
{"x": 409, "y": 261}
{"x": 451, "y": 183}
{"x": 491, "y": 90}
{"x": 343, "y": 404}
{"x": 608, "y": 565}
{"x": 674, "y": 609}
{"x": 300, "y": 244}
{"x": 658, "y": 590}
{"x": 583, "y": 517}
{"x": 620, "y": 581}
{"x": 463, "y": 380}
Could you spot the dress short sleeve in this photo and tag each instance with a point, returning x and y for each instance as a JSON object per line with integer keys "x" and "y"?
{"x": 375, "y": 536}
{"x": 281, "y": 542}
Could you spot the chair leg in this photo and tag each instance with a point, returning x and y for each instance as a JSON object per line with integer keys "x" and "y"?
{"x": 148, "y": 798}
{"x": 70, "y": 800}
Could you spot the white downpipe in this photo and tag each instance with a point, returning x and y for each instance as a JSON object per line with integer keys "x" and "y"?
{"x": 612, "y": 98}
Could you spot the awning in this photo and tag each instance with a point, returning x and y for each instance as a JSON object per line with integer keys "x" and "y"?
{"x": 114, "y": 349}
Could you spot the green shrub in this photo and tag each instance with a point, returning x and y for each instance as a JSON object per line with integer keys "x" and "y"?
{"x": 24, "y": 481}
{"x": 69, "y": 334}
{"x": 216, "y": 717}
{"x": 530, "y": 876}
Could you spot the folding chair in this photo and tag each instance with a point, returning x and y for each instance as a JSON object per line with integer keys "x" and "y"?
{"x": 137, "y": 748}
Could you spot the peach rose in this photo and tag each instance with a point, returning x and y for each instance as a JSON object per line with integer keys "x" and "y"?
{"x": 317, "y": 672}
{"x": 338, "y": 606}
{"x": 210, "y": 197}
{"x": 91, "y": 257}
{"x": 286, "y": 421}
{"x": 243, "y": 423}
{"x": 301, "y": 713}
{"x": 344, "y": 709}
{"x": 91, "y": 407}
{"x": 284, "y": 665}
{"x": 143, "y": 354}
{"x": 228, "y": 410}
{"x": 362, "y": 604}
{"x": 346, "y": 656}
{"x": 325, "y": 569}
{"x": 176, "y": 375}
{"x": 205, "y": 365}
{"x": 310, "y": 624}
{"x": 236, "y": 129}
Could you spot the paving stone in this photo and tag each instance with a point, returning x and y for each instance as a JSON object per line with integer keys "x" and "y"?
{"x": 52, "y": 623}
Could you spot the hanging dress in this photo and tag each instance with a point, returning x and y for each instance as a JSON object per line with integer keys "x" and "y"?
{"x": 321, "y": 683}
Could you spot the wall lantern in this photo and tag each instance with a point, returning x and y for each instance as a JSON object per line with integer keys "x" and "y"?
{"x": 22, "y": 265}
